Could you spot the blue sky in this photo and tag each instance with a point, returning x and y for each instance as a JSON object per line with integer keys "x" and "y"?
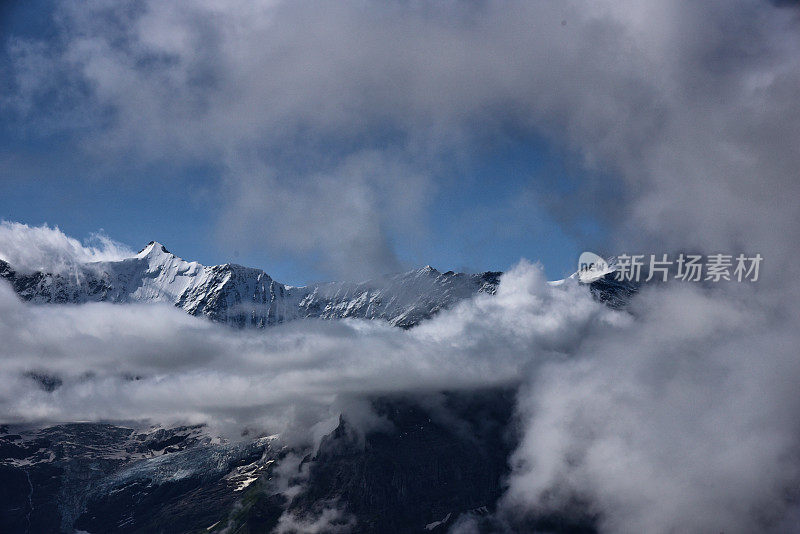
{"x": 502, "y": 192}
{"x": 488, "y": 220}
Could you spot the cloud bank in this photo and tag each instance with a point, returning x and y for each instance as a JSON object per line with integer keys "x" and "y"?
{"x": 120, "y": 362}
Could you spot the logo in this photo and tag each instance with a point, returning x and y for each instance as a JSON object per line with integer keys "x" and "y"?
{"x": 592, "y": 267}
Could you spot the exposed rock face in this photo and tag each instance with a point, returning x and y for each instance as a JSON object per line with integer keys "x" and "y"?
{"x": 427, "y": 468}
{"x": 106, "y": 478}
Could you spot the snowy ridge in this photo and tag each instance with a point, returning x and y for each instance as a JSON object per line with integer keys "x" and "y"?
{"x": 243, "y": 296}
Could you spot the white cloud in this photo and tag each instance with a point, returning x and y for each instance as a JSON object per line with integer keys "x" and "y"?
{"x": 675, "y": 101}
{"x": 683, "y": 420}
{"x": 42, "y": 248}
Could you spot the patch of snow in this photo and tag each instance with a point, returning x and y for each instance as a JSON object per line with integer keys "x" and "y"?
{"x": 431, "y": 526}
{"x": 242, "y": 484}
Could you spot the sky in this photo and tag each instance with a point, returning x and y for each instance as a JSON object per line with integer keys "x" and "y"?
{"x": 464, "y": 204}
{"x": 342, "y": 140}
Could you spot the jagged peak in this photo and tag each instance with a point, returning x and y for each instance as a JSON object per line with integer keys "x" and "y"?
{"x": 238, "y": 267}
{"x": 153, "y": 248}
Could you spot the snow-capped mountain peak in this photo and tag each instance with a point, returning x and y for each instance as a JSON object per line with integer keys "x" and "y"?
{"x": 152, "y": 250}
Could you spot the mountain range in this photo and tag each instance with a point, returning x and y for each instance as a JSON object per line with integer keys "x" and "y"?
{"x": 247, "y": 297}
